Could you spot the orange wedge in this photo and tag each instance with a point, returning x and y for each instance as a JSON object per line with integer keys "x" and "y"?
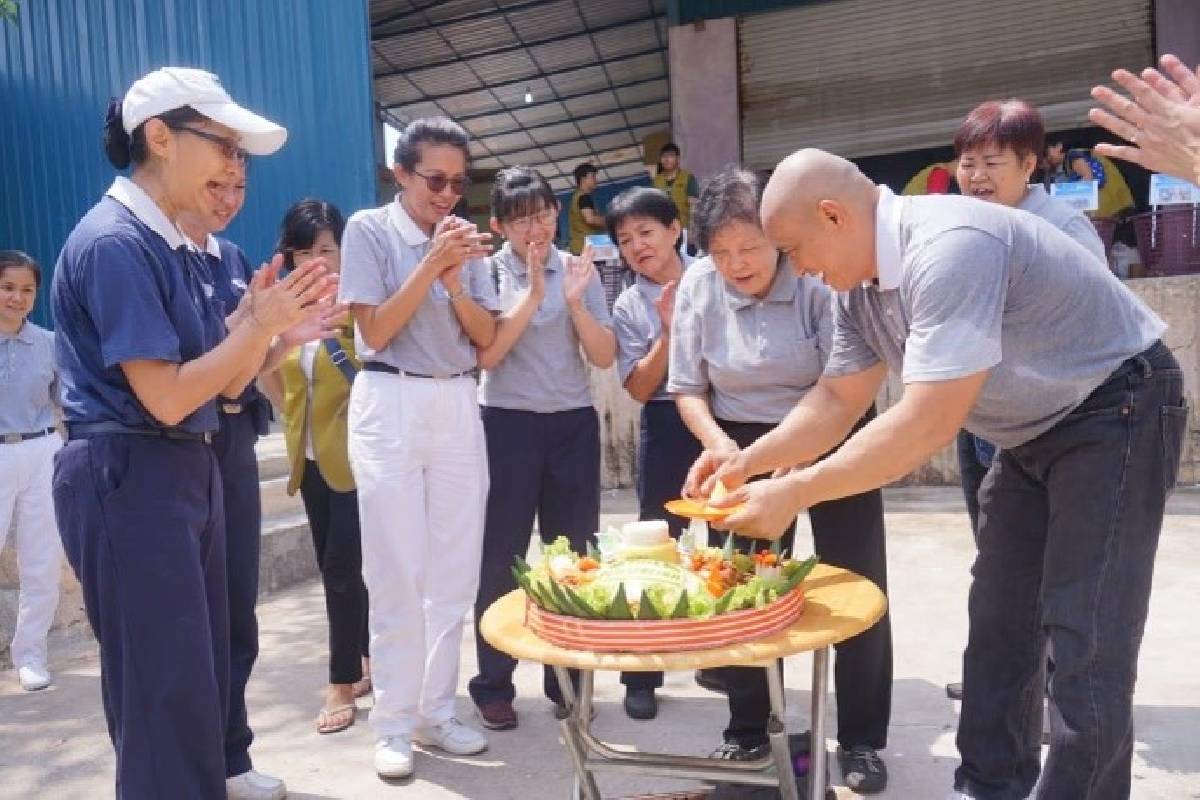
{"x": 698, "y": 509}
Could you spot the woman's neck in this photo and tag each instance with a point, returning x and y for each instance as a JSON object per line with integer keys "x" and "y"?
{"x": 11, "y": 328}
{"x": 425, "y": 227}
{"x": 672, "y": 270}
{"x": 150, "y": 182}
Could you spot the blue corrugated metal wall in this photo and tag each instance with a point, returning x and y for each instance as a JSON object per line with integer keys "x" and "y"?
{"x": 302, "y": 63}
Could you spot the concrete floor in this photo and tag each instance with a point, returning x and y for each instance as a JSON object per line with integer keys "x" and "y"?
{"x": 53, "y": 744}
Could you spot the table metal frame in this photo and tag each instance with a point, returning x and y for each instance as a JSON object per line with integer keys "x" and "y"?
{"x": 589, "y": 754}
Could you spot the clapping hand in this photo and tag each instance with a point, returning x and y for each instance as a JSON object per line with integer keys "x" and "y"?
{"x": 1161, "y": 120}
{"x": 665, "y": 305}
{"x": 580, "y": 269}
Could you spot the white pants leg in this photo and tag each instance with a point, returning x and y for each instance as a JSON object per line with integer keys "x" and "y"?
{"x": 26, "y": 471}
{"x": 417, "y": 452}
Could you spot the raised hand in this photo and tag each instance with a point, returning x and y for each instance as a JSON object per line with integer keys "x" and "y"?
{"x": 1161, "y": 119}
{"x": 535, "y": 262}
{"x": 579, "y": 273}
{"x": 284, "y": 303}
{"x": 321, "y": 322}
{"x": 455, "y": 241}
{"x": 665, "y": 305}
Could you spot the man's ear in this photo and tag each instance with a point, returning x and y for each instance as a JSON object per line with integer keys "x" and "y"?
{"x": 831, "y": 212}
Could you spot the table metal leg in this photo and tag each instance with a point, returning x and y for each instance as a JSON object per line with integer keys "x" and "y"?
{"x": 585, "y": 782}
{"x": 778, "y": 736}
{"x": 820, "y": 696}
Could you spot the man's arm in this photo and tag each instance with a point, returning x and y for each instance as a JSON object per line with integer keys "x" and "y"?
{"x": 908, "y": 434}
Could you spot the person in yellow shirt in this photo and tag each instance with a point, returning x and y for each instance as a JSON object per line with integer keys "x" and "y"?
{"x": 312, "y": 386}
{"x": 678, "y": 184}
{"x": 583, "y": 217}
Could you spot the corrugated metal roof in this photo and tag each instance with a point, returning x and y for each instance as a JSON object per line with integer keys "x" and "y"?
{"x": 595, "y": 70}
{"x": 303, "y": 63}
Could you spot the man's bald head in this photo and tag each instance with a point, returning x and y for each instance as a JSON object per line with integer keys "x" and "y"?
{"x": 819, "y": 209}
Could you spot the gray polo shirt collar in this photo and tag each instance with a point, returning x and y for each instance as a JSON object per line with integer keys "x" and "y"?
{"x": 649, "y": 289}
{"x": 783, "y": 290}
{"x": 133, "y": 197}
{"x": 888, "y": 256}
{"x": 410, "y": 232}
{"x": 24, "y": 335}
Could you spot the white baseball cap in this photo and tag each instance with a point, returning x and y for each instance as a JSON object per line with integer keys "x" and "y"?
{"x": 174, "y": 87}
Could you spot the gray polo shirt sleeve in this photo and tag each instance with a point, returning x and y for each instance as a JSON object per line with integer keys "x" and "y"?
{"x": 820, "y": 313}
{"x": 849, "y": 351}
{"x": 595, "y": 302}
{"x": 481, "y": 285}
{"x": 958, "y": 284}
{"x": 687, "y": 371}
{"x": 364, "y": 265}
{"x": 631, "y": 341}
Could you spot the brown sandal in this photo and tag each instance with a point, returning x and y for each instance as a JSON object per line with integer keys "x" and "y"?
{"x": 326, "y": 723}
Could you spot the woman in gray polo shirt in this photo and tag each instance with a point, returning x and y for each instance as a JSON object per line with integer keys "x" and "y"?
{"x": 749, "y": 339}
{"x": 543, "y": 436}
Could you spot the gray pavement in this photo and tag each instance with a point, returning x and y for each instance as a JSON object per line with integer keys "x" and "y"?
{"x": 53, "y": 744}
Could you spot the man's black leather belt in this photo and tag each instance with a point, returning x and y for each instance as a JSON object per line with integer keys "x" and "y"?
{"x": 379, "y": 366}
{"x": 17, "y": 438}
{"x": 84, "y": 430}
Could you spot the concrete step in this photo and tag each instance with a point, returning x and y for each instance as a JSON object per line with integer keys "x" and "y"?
{"x": 275, "y": 499}
{"x": 272, "y": 456}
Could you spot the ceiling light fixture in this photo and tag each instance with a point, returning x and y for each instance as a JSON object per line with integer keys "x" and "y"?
{"x": 528, "y": 95}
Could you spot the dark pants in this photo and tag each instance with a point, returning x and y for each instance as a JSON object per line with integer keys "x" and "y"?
{"x": 1068, "y": 530}
{"x": 234, "y": 448}
{"x": 847, "y": 533}
{"x": 666, "y": 451}
{"x": 974, "y": 458}
{"x": 142, "y": 522}
{"x": 546, "y": 465}
{"x": 333, "y": 521}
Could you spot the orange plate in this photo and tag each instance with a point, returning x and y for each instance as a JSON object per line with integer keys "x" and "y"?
{"x": 697, "y": 509}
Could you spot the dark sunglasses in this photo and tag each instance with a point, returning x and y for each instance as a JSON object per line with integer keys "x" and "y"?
{"x": 228, "y": 147}
{"x": 437, "y": 183}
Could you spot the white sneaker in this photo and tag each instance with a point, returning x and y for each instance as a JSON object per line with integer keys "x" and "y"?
{"x": 253, "y": 785}
{"x": 454, "y": 737}
{"x": 34, "y": 677}
{"x": 393, "y": 757}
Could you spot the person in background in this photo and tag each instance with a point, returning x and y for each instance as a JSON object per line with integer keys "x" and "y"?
{"x": 28, "y": 442}
{"x": 645, "y": 225}
{"x": 1067, "y": 164}
{"x": 1161, "y": 119}
{"x": 144, "y": 352}
{"x": 937, "y": 178}
{"x": 750, "y": 338}
{"x": 677, "y": 183}
{"x": 423, "y": 303}
{"x": 312, "y": 387}
{"x": 583, "y": 216}
{"x": 997, "y": 146}
{"x": 543, "y": 435}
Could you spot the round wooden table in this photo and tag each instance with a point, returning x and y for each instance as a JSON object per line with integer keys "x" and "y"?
{"x": 839, "y": 605}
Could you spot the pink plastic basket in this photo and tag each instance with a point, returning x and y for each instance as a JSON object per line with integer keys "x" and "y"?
{"x": 1169, "y": 240}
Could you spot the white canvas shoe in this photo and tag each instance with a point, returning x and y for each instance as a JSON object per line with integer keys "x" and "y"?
{"x": 34, "y": 677}
{"x": 393, "y": 757}
{"x": 252, "y": 785}
{"x": 454, "y": 737}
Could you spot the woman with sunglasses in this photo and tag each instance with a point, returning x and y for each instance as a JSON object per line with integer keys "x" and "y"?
{"x": 423, "y": 302}
{"x": 144, "y": 358}
{"x": 543, "y": 436}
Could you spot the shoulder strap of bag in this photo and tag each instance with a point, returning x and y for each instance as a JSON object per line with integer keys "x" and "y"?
{"x": 339, "y": 358}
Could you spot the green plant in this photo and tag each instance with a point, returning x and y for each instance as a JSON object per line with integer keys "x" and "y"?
{"x": 8, "y": 9}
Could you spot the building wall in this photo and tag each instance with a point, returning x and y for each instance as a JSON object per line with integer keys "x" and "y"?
{"x": 1177, "y": 30}
{"x": 705, "y": 122}
{"x": 302, "y": 63}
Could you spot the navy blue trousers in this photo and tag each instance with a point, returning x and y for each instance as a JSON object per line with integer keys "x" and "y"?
{"x": 142, "y": 522}
{"x": 666, "y": 451}
{"x": 546, "y": 465}
{"x": 234, "y": 448}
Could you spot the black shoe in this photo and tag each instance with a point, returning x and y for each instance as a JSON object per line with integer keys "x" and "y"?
{"x": 734, "y": 751}
{"x": 954, "y": 691}
{"x": 711, "y": 680}
{"x": 641, "y": 704}
{"x": 863, "y": 769}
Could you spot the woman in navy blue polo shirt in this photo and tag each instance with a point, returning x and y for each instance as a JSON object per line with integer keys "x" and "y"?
{"x": 137, "y": 489}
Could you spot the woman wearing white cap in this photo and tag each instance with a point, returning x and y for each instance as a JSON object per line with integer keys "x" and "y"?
{"x": 143, "y": 354}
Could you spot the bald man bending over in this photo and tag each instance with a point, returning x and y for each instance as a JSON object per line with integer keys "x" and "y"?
{"x": 999, "y": 323}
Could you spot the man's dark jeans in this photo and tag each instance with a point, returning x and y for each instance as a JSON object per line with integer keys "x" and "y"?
{"x": 1068, "y": 529}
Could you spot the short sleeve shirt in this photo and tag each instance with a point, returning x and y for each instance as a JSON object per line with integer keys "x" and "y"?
{"x": 966, "y": 286}
{"x": 1071, "y": 221}
{"x": 380, "y": 249}
{"x": 637, "y": 326}
{"x": 545, "y": 370}
{"x": 29, "y": 378}
{"x": 753, "y": 358}
{"x": 231, "y": 273}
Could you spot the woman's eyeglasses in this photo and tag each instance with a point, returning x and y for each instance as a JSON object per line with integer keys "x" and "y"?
{"x": 438, "y": 183}
{"x": 228, "y": 147}
{"x": 542, "y": 218}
